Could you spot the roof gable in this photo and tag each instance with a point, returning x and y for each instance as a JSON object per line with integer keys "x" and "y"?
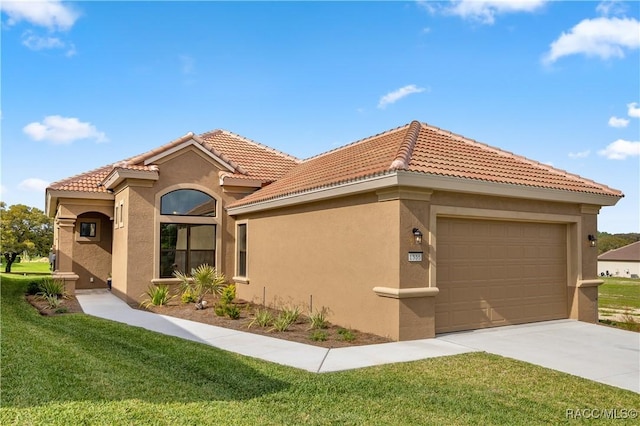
{"x": 241, "y": 157}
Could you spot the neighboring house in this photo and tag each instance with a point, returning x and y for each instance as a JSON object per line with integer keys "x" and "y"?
{"x": 621, "y": 262}
{"x": 408, "y": 233}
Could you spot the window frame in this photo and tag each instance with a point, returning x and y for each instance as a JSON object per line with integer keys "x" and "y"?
{"x": 216, "y": 220}
{"x": 88, "y": 239}
{"x": 240, "y": 277}
{"x": 188, "y": 250}
{"x": 215, "y": 209}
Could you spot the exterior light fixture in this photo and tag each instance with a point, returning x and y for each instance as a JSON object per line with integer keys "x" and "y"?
{"x": 417, "y": 235}
{"x": 592, "y": 240}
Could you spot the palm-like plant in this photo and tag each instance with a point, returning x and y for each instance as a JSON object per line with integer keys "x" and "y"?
{"x": 203, "y": 280}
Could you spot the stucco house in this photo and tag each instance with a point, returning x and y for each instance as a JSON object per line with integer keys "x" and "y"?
{"x": 408, "y": 233}
{"x": 621, "y": 262}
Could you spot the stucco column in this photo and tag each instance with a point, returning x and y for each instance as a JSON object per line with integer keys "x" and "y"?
{"x": 64, "y": 258}
{"x": 584, "y": 297}
{"x": 414, "y": 297}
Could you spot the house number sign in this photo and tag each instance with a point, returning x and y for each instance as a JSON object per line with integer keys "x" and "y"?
{"x": 415, "y": 256}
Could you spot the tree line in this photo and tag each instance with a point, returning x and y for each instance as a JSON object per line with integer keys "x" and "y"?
{"x": 25, "y": 230}
{"x": 607, "y": 242}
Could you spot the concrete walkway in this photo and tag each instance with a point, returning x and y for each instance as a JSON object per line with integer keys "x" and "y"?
{"x": 101, "y": 303}
{"x": 598, "y": 353}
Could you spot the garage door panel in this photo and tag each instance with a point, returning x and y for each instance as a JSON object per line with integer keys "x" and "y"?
{"x": 493, "y": 273}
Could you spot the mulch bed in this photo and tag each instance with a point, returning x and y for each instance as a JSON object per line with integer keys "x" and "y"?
{"x": 298, "y": 332}
{"x": 68, "y": 305}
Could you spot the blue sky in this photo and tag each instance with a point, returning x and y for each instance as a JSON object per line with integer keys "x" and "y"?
{"x": 86, "y": 84}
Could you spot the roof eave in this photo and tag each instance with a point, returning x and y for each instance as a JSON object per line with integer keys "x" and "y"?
{"x": 430, "y": 182}
{"x": 118, "y": 175}
{"x": 53, "y": 195}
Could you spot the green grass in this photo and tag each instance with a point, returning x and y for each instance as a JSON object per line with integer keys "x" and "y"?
{"x": 619, "y": 293}
{"x": 36, "y": 268}
{"x": 77, "y": 369}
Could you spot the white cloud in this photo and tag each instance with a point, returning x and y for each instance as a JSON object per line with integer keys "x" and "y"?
{"x": 63, "y": 130}
{"x": 601, "y": 37}
{"x": 618, "y": 122}
{"x": 483, "y": 11}
{"x": 621, "y": 149}
{"x": 33, "y": 184}
{"x": 582, "y": 154}
{"x": 36, "y": 42}
{"x": 633, "y": 110}
{"x": 611, "y": 7}
{"x": 51, "y": 14}
{"x": 396, "y": 95}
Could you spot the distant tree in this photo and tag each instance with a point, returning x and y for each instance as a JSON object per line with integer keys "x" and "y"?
{"x": 24, "y": 229}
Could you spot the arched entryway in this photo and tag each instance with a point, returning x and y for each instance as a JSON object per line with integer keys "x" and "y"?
{"x": 92, "y": 249}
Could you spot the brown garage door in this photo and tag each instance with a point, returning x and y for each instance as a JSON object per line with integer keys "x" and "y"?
{"x": 493, "y": 273}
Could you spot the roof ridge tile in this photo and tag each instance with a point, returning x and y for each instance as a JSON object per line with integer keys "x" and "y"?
{"x": 406, "y": 147}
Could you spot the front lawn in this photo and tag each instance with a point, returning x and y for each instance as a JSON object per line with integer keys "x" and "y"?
{"x": 619, "y": 293}
{"x": 33, "y": 268}
{"x": 77, "y": 369}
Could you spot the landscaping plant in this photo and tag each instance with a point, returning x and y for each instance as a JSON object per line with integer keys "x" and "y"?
{"x": 203, "y": 280}
{"x": 157, "y": 296}
{"x": 52, "y": 287}
{"x": 346, "y": 335}
{"x": 286, "y": 318}
{"x": 263, "y": 317}
{"x": 318, "y": 335}
{"x": 318, "y": 319}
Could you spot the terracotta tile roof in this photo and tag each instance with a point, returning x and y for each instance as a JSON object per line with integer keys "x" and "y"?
{"x": 249, "y": 159}
{"x": 84, "y": 182}
{"x": 629, "y": 252}
{"x": 257, "y": 161}
{"x": 421, "y": 148}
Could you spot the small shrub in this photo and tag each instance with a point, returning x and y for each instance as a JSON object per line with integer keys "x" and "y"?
{"x": 318, "y": 335}
{"x": 291, "y": 314}
{"x": 286, "y": 318}
{"x": 187, "y": 296}
{"x": 264, "y": 318}
{"x": 62, "y": 310}
{"x": 52, "y": 300}
{"x": 346, "y": 335}
{"x": 318, "y": 319}
{"x": 232, "y": 311}
{"x": 33, "y": 288}
{"x": 228, "y": 294}
{"x": 52, "y": 287}
{"x": 220, "y": 310}
{"x": 158, "y": 296}
{"x": 281, "y": 323}
{"x": 203, "y": 279}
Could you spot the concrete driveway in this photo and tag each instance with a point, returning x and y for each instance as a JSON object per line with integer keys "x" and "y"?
{"x": 603, "y": 354}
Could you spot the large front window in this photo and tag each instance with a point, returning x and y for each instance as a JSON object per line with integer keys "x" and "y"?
{"x": 186, "y": 246}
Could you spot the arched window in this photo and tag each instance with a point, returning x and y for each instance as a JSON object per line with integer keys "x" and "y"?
{"x": 187, "y": 245}
{"x": 187, "y": 202}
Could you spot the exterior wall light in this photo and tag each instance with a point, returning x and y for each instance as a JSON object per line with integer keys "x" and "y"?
{"x": 592, "y": 240}
{"x": 417, "y": 235}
